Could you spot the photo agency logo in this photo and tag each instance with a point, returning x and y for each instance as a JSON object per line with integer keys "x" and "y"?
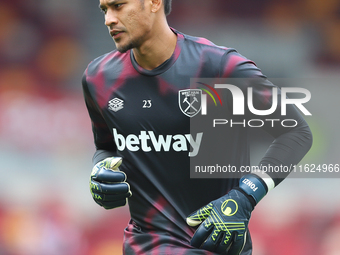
{"x": 194, "y": 101}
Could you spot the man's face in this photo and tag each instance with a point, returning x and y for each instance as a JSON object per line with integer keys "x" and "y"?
{"x": 128, "y": 21}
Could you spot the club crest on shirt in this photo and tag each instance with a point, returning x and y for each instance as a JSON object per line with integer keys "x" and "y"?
{"x": 189, "y": 101}
{"x": 116, "y": 104}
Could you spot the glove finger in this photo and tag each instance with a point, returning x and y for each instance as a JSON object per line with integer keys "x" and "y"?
{"x": 112, "y": 204}
{"x": 213, "y": 241}
{"x": 237, "y": 244}
{"x": 200, "y": 215}
{"x": 106, "y": 175}
{"x": 224, "y": 243}
{"x": 113, "y": 188}
{"x": 115, "y": 204}
{"x": 201, "y": 235}
{"x": 110, "y": 198}
{"x": 116, "y": 188}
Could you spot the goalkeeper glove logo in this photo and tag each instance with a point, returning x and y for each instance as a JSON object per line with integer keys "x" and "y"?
{"x": 229, "y": 207}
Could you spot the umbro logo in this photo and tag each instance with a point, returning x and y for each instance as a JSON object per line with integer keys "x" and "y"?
{"x": 116, "y": 104}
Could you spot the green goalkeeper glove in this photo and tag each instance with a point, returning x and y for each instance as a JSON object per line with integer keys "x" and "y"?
{"x": 224, "y": 221}
{"x": 108, "y": 185}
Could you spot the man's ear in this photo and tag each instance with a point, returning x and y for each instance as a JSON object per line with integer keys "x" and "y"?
{"x": 156, "y": 5}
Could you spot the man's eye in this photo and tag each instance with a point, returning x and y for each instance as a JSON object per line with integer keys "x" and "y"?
{"x": 103, "y": 10}
{"x": 118, "y": 5}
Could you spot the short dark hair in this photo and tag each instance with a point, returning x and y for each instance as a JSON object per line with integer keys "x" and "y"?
{"x": 167, "y": 6}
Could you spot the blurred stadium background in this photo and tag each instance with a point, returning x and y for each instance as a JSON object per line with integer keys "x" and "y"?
{"x": 46, "y": 141}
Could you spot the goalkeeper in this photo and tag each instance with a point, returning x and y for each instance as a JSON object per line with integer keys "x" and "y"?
{"x": 142, "y": 109}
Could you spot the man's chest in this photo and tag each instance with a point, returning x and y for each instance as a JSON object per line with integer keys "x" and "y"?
{"x": 150, "y": 105}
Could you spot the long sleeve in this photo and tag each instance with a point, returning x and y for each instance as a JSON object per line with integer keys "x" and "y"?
{"x": 291, "y": 140}
{"x": 103, "y": 139}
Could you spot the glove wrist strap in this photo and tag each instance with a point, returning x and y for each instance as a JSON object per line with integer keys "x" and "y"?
{"x": 253, "y": 186}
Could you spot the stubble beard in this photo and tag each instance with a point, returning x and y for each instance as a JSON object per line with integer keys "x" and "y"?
{"x": 125, "y": 48}
{"x": 130, "y": 45}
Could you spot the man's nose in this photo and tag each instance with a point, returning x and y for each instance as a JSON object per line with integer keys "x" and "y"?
{"x": 110, "y": 18}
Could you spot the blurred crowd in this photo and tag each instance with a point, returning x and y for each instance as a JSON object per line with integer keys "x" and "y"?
{"x": 321, "y": 19}
{"x": 45, "y": 131}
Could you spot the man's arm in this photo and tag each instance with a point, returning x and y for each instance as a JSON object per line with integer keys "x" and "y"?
{"x": 289, "y": 146}
{"x": 108, "y": 184}
{"x": 223, "y": 223}
{"x": 103, "y": 139}
{"x": 290, "y": 143}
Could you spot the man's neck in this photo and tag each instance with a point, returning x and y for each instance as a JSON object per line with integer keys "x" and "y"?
{"x": 157, "y": 49}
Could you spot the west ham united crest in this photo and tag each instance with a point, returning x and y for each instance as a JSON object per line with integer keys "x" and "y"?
{"x": 189, "y": 101}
